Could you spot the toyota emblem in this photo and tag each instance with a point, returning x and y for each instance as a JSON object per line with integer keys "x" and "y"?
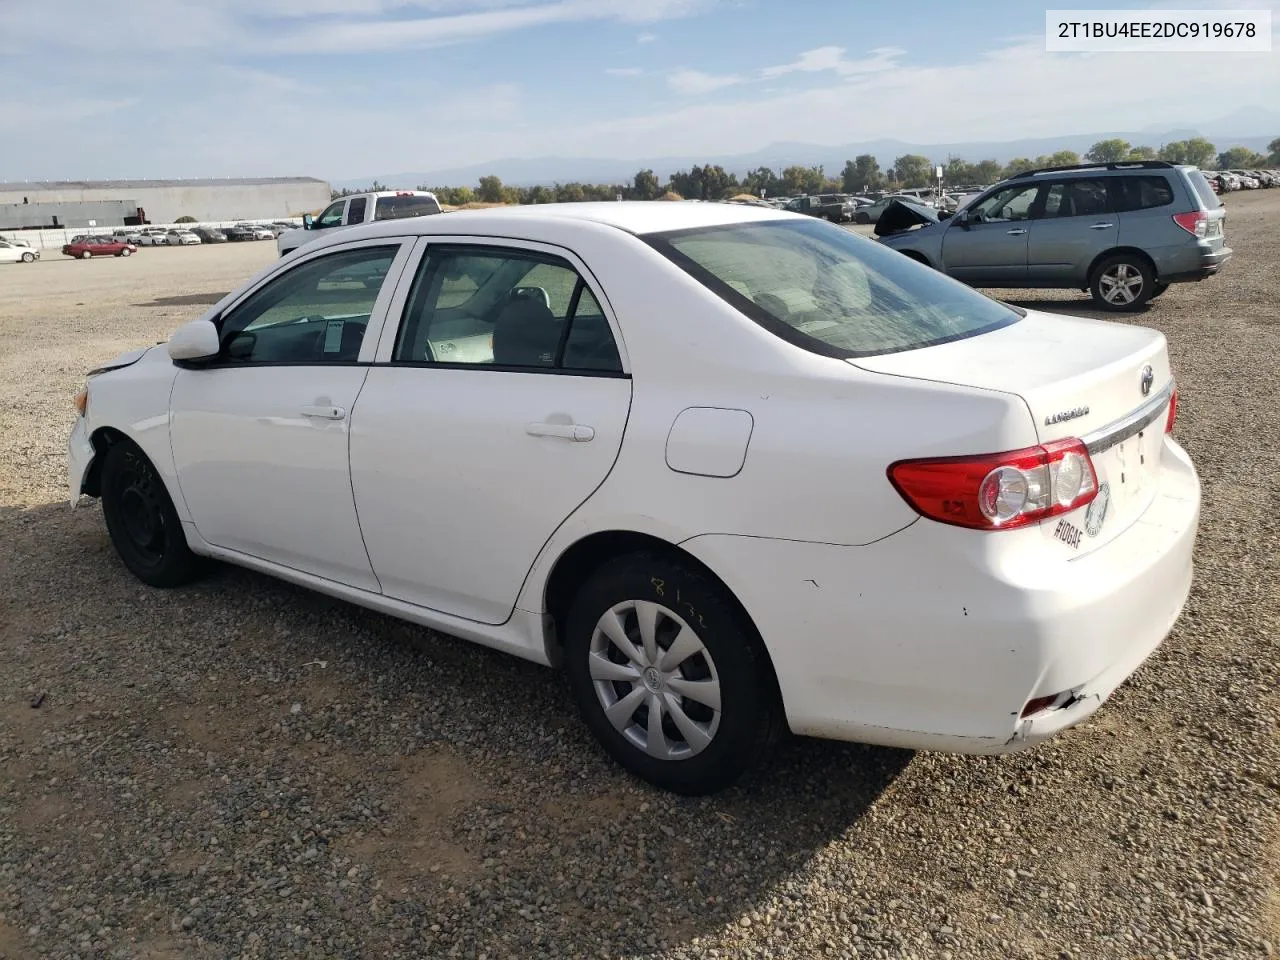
{"x": 1148, "y": 378}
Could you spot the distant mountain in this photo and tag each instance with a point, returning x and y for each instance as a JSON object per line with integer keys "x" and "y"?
{"x": 528, "y": 171}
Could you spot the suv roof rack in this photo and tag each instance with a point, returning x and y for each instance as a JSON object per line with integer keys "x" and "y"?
{"x": 1117, "y": 165}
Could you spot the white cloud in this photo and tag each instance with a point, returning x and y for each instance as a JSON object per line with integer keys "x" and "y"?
{"x": 694, "y": 83}
{"x": 832, "y": 58}
{"x": 646, "y": 37}
{"x": 623, "y": 71}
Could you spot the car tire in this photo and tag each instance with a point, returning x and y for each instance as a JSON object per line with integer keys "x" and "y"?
{"x": 126, "y": 252}
{"x": 86, "y": 255}
{"x": 1122, "y": 282}
{"x": 621, "y": 676}
{"x": 28, "y": 258}
{"x": 1157, "y": 289}
{"x": 141, "y": 520}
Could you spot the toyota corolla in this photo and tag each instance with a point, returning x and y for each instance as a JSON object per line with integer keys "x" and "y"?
{"x": 735, "y": 470}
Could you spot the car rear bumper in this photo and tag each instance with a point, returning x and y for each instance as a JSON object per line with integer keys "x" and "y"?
{"x": 1206, "y": 264}
{"x": 937, "y": 637}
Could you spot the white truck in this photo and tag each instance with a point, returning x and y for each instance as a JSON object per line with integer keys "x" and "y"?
{"x": 360, "y": 208}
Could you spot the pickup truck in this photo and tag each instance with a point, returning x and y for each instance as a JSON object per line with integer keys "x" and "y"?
{"x": 830, "y": 206}
{"x": 360, "y": 208}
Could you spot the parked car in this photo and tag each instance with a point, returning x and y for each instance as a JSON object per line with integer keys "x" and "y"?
{"x": 84, "y": 248}
{"x": 12, "y": 252}
{"x": 360, "y": 208}
{"x": 239, "y": 231}
{"x": 261, "y": 232}
{"x": 128, "y": 235}
{"x": 870, "y": 213}
{"x": 210, "y": 235}
{"x": 153, "y": 237}
{"x": 829, "y": 206}
{"x": 182, "y": 238}
{"x": 1122, "y": 231}
{"x": 863, "y": 501}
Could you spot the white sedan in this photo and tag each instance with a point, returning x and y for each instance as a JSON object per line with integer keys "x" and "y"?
{"x": 734, "y": 469}
{"x": 11, "y": 251}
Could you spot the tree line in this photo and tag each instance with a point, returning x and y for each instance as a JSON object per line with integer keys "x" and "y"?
{"x": 859, "y": 175}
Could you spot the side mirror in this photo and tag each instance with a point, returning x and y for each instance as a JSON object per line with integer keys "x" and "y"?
{"x": 197, "y": 340}
{"x": 307, "y": 221}
{"x": 962, "y": 218}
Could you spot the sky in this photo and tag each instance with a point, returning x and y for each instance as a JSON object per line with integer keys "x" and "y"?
{"x": 343, "y": 89}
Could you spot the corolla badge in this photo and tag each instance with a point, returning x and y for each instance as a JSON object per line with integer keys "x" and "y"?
{"x": 1065, "y": 415}
{"x": 1148, "y": 378}
{"x": 1096, "y": 515}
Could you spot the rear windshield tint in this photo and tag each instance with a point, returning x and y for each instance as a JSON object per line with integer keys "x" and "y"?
{"x": 397, "y": 208}
{"x": 1203, "y": 190}
{"x": 823, "y": 288}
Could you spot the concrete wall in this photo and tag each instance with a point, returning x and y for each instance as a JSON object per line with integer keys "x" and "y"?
{"x": 107, "y": 213}
{"x": 204, "y": 201}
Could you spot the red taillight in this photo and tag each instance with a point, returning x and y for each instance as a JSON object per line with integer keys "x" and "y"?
{"x": 1173, "y": 412}
{"x": 999, "y": 491}
{"x": 1196, "y": 224}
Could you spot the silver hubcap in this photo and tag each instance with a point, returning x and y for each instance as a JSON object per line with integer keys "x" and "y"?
{"x": 655, "y": 679}
{"x": 1120, "y": 284}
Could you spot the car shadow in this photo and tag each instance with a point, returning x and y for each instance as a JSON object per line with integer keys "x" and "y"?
{"x": 185, "y": 300}
{"x": 453, "y": 773}
{"x": 1077, "y": 307}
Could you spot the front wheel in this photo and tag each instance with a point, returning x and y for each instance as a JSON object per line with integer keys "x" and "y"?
{"x": 1122, "y": 282}
{"x": 125, "y": 252}
{"x": 861, "y": 218}
{"x": 28, "y": 258}
{"x": 144, "y": 527}
{"x": 669, "y": 675}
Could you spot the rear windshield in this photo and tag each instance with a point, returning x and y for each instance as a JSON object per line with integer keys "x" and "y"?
{"x": 1205, "y": 192}
{"x": 823, "y": 288}
{"x": 396, "y": 208}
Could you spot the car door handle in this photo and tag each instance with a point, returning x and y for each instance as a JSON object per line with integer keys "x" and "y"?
{"x": 1016, "y": 233}
{"x": 1100, "y": 226}
{"x": 576, "y": 432}
{"x": 323, "y": 412}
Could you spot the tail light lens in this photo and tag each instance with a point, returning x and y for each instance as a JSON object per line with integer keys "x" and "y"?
{"x": 1173, "y": 412}
{"x": 1196, "y": 224}
{"x": 999, "y": 491}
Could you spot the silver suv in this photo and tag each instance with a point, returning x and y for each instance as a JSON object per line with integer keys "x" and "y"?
{"x": 1121, "y": 231}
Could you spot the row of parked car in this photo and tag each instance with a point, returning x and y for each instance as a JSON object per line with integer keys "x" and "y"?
{"x": 190, "y": 236}
{"x": 850, "y": 208}
{"x": 1224, "y": 181}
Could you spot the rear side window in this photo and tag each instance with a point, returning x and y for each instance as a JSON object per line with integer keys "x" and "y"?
{"x": 355, "y": 211}
{"x": 1140, "y": 193}
{"x": 829, "y": 291}
{"x": 1205, "y": 192}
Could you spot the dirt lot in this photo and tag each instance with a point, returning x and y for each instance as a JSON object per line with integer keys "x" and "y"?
{"x": 243, "y": 769}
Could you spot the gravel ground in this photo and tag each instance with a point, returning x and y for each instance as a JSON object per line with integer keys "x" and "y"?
{"x": 244, "y": 769}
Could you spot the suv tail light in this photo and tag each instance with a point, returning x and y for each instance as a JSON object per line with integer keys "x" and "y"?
{"x": 1173, "y": 412}
{"x": 1196, "y": 223}
{"x": 999, "y": 491}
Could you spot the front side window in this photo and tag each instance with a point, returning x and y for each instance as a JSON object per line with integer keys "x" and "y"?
{"x": 507, "y": 308}
{"x": 332, "y": 216}
{"x": 316, "y": 312}
{"x": 1009, "y": 203}
{"x": 829, "y": 291}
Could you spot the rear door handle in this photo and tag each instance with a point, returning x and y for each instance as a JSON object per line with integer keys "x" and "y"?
{"x": 323, "y": 412}
{"x": 1100, "y": 226}
{"x": 1016, "y": 233}
{"x": 577, "y": 432}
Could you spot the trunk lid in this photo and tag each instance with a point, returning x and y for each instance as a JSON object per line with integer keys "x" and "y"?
{"x": 1079, "y": 378}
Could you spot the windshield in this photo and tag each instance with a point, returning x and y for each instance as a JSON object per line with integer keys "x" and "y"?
{"x": 823, "y": 288}
{"x": 395, "y": 208}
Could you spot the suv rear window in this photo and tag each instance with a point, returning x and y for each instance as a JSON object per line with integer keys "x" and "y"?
{"x": 397, "y": 208}
{"x": 829, "y": 291}
{"x": 1140, "y": 193}
{"x": 1203, "y": 190}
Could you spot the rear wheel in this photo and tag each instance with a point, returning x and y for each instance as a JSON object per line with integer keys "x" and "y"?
{"x": 861, "y": 218}
{"x": 1122, "y": 282}
{"x": 669, "y": 676}
{"x": 144, "y": 527}
{"x": 86, "y": 255}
